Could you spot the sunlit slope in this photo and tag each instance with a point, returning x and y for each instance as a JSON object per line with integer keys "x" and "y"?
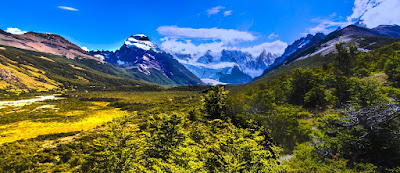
{"x": 318, "y": 59}
{"x": 23, "y": 70}
{"x": 63, "y": 121}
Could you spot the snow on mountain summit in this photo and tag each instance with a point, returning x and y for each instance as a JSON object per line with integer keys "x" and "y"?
{"x": 227, "y": 66}
{"x": 141, "y": 41}
{"x": 144, "y": 60}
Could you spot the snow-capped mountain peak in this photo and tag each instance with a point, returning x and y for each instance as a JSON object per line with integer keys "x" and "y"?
{"x": 141, "y": 41}
{"x": 227, "y": 66}
{"x": 139, "y": 56}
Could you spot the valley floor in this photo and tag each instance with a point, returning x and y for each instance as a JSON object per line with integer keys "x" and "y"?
{"x": 43, "y": 115}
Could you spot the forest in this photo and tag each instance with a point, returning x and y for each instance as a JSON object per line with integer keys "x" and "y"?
{"x": 342, "y": 116}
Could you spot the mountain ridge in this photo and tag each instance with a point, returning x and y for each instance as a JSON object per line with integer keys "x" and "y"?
{"x": 139, "y": 54}
{"x": 44, "y": 42}
{"x": 325, "y": 46}
{"x": 210, "y": 67}
{"x": 170, "y": 73}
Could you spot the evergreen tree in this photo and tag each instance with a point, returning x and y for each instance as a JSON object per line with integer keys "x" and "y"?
{"x": 215, "y": 102}
{"x": 343, "y": 65}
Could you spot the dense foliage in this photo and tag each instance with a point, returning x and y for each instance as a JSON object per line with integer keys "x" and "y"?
{"x": 342, "y": 116}
{"x": 168, "y": 132}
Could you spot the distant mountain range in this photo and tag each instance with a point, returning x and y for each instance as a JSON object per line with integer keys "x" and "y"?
{"x": 319, "y": 45}
{"x": 235, "y": 67}
{"x": 299, "y": 45}
{"x": 139, "y": 62}
{"x": 228, "y": 66}
{"x": 137, "y": 59}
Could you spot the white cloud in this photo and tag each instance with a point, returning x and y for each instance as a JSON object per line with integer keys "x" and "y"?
{"x": 219, "y": 65}
{"x": 372, "y": 12}
{"x": 15, "y": 31}
{"x": 273, "y": 36}
{"x": 215, "y": 10}
{"x": 360, "y": 7}
{"x": 225, "y": 35}
{"x": 228, "y": 13}
{"x": 85, "y": 49}
{"x": 325, "y": 26}
{"x": 187, "y": 47}
{"x": 68, "y": 8}
{"x": 276, "y": 47}
{"x": 179, "y": 40}
{"x": 386, "y": 13}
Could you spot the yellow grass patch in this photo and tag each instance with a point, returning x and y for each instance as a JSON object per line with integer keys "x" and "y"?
{"x": 28, "y": 79}
{"x": 4, "y": 84}
{"x": 381, "y": 77}
{"x": 46, "y": 107}
{"x": 102, "y": 104}
{"x": 28, "y": 129}
{"x": 30, "y": 68}
{"x": 97, "y": 105}
{"x": 45, "y": 58}
{"x": 74, "y": 113}
{"x": 9, "y": 60}
{"x": 76, "y": 67}
{"x": 82, "y": 78}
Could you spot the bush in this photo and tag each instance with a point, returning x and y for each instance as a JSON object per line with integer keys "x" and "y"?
{"x": 215, "y": 102}
{"x": 366, "y": 135}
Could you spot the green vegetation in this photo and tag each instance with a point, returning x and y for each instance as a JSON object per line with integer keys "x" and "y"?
{"x": 165, "y": 131}
{"x": 24, "y": 71}
{"x": 341, "y": 117}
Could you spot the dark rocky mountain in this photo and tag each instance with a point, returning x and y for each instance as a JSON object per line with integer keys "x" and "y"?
{"x": 263, "y": 61}
{"x": 299, "y": 45}
{"x": 143, "y": 58}
{"x": 366, "y": 39}
{"x": 231, "y": 66}
{"x": 206, "y": 58}
{"x": 388, "y": 30}
{"x": 236, "y": 76}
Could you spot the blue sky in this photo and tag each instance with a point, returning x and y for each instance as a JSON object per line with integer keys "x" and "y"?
{"x": 207, "y": 24}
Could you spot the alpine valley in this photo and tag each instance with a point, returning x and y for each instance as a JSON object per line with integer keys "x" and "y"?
{"x": 213, "y": 86}
{"x": 42, "y": 61}
{"x": 140, "y": 55}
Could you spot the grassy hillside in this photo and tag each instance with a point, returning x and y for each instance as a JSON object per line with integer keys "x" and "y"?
{"x": 315, "y": 61}
{"x": 339, "y": 117}
{"x": 23, "y": 70}
{"x": 363, "y": 41}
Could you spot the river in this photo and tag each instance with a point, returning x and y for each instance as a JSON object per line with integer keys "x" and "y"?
{"x": 26, "y": 101}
